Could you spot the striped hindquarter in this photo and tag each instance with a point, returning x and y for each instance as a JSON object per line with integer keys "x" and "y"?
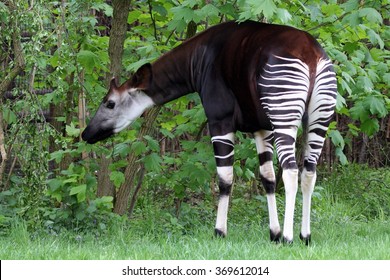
{"x": 284, "y": 86}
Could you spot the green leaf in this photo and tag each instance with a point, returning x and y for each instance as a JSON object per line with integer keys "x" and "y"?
{"x": 350, "y": 5}
{"x": 365, "y": 83}
{"x": 375, "y": 38}
{"x": 88, "y": 60}
{"x": 377, "y": 106}
{"x": 340, "y": 102}
{"x": 77, "y": 189}
{"x": 341, "y": 156}
{"x": 332, "y": 10}
{"x": 160, "y": 9}
{"x": 138, "y": 147}
{"x": 182, "y": 12}
{"x": 370, "y": 126}
{"x": 359, "y": 111}
{"x": 121, "y": 149}
{"x": 107, "y": 9}
{"x": 345, "y": 86}
{"x": 54, "y": 190}
{"x": 72, "y": 131}
{"x": 106, "y": 199}
{"x": 386, "y": 78}
{"x": 337, "y": 139}
{"x": 57, "y": 155}
{"x": 118, "y": 164}
{"x": 152, "y": 143}
{"x": 153, "y": 162}
{"x": 80, "y": 191}
{"x": 372, "y": 15}
{"x": 9, "y": 116}
{"x": 118, "y": 178}
{"x": 283, "y": 15}
{"x": 353, "y": 129}
{"x": 57, "y": 196}
{"x": 133, "y": 16}
{"x": 210, "y": 10}
{"x": 54, "y": 184}
{"x": 80, "y": 214}
{"x": 249, "y": 174}
{"x": 265, "y": 7}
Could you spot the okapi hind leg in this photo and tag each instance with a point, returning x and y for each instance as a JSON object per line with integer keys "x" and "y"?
{"x": 320, "y": 111}
{"x": 284, "y": 85}
{"x": 264, "y": 146}
{"x": 285, "y": 147}
{"x": 308, "y": 180}
{"x": 224, "y": 156}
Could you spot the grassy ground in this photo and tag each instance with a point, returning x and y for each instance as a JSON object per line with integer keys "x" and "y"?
{"x": 343, "y": 227}
{"x": 347, "y": 240}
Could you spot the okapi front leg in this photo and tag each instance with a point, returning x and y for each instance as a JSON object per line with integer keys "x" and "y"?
{"x": 224, "y": 156}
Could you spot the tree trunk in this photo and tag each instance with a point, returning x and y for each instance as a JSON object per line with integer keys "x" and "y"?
{"x": 7, "y": 81}
{"x": 105, "y": 186}
{"x": 117, "y": 37}
{"x": 115, "y": 51}
{"x": 123, "y": 194}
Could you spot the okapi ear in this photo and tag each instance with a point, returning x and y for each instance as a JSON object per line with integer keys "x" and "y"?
{"x": 143, "y": 77}
{"x": 113, "y": 84}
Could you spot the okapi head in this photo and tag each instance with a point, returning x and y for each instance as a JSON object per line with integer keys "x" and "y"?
{"x": 121, "y": 106}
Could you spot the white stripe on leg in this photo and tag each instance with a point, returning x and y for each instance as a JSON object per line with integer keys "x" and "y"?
{"x": 273, "y": 214}
{"x": 290, "y": 179}
{"x": 308, "y": 180}
{"x": 223, "y": 206}
{"x": 225, "y": 174}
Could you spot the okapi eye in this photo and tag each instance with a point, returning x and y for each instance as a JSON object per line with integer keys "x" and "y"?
{"x": 110, "y": 104}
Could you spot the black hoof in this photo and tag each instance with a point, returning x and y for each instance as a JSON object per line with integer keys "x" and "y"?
{"x": 219, "y": 233}
{"x": 287, "y": 241}
{"x": 275, "y": 237}
{"x": 306, "y": 239}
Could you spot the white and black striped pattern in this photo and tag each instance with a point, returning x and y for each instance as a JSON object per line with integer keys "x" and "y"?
{"x": 223, "y": 149}
{"x": 320, "y": 111}
{"x": 224, "y": 155}
{"x": 284, "y": 87}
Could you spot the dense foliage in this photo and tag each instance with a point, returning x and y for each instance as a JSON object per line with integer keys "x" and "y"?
{"x": 51, "y": 178}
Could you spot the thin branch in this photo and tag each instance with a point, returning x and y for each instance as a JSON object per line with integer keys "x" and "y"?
{"x": 153, "y": 19}
{"x": 328, "y": 23}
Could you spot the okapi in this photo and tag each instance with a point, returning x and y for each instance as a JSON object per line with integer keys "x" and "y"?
{"x": 252, "y": 77}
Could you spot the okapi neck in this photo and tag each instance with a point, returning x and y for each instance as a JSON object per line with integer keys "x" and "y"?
{"x": 172, "y": 75}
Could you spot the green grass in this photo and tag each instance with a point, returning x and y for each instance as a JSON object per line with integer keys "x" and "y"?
{"x": 331, "y": 240}
{"x": 345, "y": 225}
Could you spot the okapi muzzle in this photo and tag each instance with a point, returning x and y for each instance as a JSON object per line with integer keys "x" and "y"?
{"x": 120, "y": 107}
